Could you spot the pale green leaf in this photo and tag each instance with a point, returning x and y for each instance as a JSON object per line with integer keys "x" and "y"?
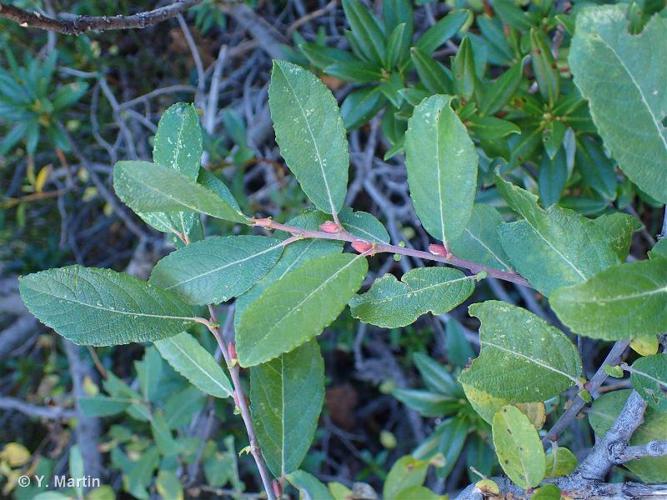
{"x": 518, "y": 447}
{"x": 102, "y": 307}
{"x": 442, "y": 168}
{"x": 603, "y": 414}
{"x": 649, "y": 378}
{"x": 298, "y": 307}
{"x": 364, "y": 226}
{"x": 310, "y": 488}
{"x": 554, "y": 247}
{"x": 659, "y": 249}
{"x": 621, "y": 302}
{"x": 286, "y": 396}
{"x": 623, "y": 77}
{"x": 487, "y": 406}
{"x": 178, "y": 145}
{"x": 195, "y": 363}
{"x": 147, "y": 187}
{"x": 560, "y": 462}
{"x": 480, "y": 242}
{"x": 406, "y": 472}
{"x": 310, "y": 133}
{"x": 391, "y": 303}
{"x": 216, "y": 269}
{"x": 522, "y": 357}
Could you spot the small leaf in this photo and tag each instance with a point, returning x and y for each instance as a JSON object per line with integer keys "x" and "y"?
{"x": 442, "y": 168}
{"x": 310, "y": 133}
{"x": 286, "y": 396}
{"x": 406, "y": 472}
{"x": 480, "y": 241}
{"x": 645, "y": 346}
{"x": 498, "y": 93}
{"x": 487, "y": 406}
{"x": 100, "y": 307}
{"x": 546, "y": 492}
{"x": 391, "y": 303}
{"x": 216, "y": 269}
{"x": 364, "y": 226}
{"x": 146, "y": 187}
{"x": 621, "y": 302}
{"x": 366, "y": 30}
{"x": 428, "y": 404}
{"x": 102, "y": 406}
{"x": 649, "y": 378}
{"x": 459, "y": 350}
{"x": 360, "y": 106}
{"x": 560, "y": 462}
{"x": 310, "y": 488}
{"x": 295, "y": 309}
{"x": 518, "y": 447}
{"x": 435, "y": 376}
{"x": 463, "y": 67}
{"x": 195, "y": 363}
{"x": 442, "y": 31}
{"x": 15, "y": 454}
{"x": 522, "y": 358}
{"x": 544, "y": 66}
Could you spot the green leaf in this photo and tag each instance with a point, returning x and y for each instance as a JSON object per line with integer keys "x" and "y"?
{"x": 561, "y": 462}
{"x": 453, "y": 433}
{"x": 522, "y": 357}
{"x": 489, "y": 128}
{"x": 216, "y": 269}
{"x": 294, "y": 256}
{"x": 544, "y": 66}
{"x": 295, "y": 309}
{"x": 310, "y": 488}
{"x": 497, "y": 94}
{"x": 177, "y": 145}
{"x": 354, "y": 71}
{"x": 487, "y": 406}
{"x": 391, "y": 303}
{"x": 190, "y": 359}
{"x": 168, "y": 485}
{"x": 360, "y": 106}
{"x": 146, "y": 187}
{"x": 442, "y": 31}
{"x": 428, "y": 404}
{"x": 480, "y": 242}
{"x": 621, "y": 302}
{"x": 554, "y": 247}
{"x": 618, "y": 229}
{"x": 616, "y": 72}
{"x": 406, "y": 472}
{"x": 442, "y": 168}
{"x": 546, "y": 492}
{"x": 603, "y": 414}
{"x": 649, "y": 378}
{"x": 102, "y": 406}
{"x": 366, "y": 30}
{"x": 100, "y": 307}
{"x": 310, "y": 133}
{"x": 659, "y": 249}
{"x": 364, "y": 226}
{"x": 432, "y": 74}
{"x": 518, "y": 447}
{"x": 552, "y": 178}
{"x": 435, "y": 376}
{"x": 463, "y": 67}
{"x": 286, "y": 396}
{"x": 459, "y": 351}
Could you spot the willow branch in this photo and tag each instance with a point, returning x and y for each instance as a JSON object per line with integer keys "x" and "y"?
{"x": 650, "y": 449}
{"x": 613, "y": 357}
{"x": 376, "y": 248}
{"x": 48, "y": 412}
{"x": 227, "y": 350}
{"x": 71, "y": 24}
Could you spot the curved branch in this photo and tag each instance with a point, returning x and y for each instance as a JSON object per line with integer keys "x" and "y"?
{"x": 71, "y": 24}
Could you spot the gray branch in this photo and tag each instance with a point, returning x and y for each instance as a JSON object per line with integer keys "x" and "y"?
{"x": 650, "y": 449}
{"x": 48, "y": 412}
{"x": 70, "y": 24}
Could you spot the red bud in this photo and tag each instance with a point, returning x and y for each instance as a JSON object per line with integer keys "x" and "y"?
{"x": 439, "y": 250}
{"x": 231, "y": 349}
{"x": 330, "y": 227}
{"x": 361, "y": 246}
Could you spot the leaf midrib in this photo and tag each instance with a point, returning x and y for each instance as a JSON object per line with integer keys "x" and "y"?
{"x": 312, "y": 137}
